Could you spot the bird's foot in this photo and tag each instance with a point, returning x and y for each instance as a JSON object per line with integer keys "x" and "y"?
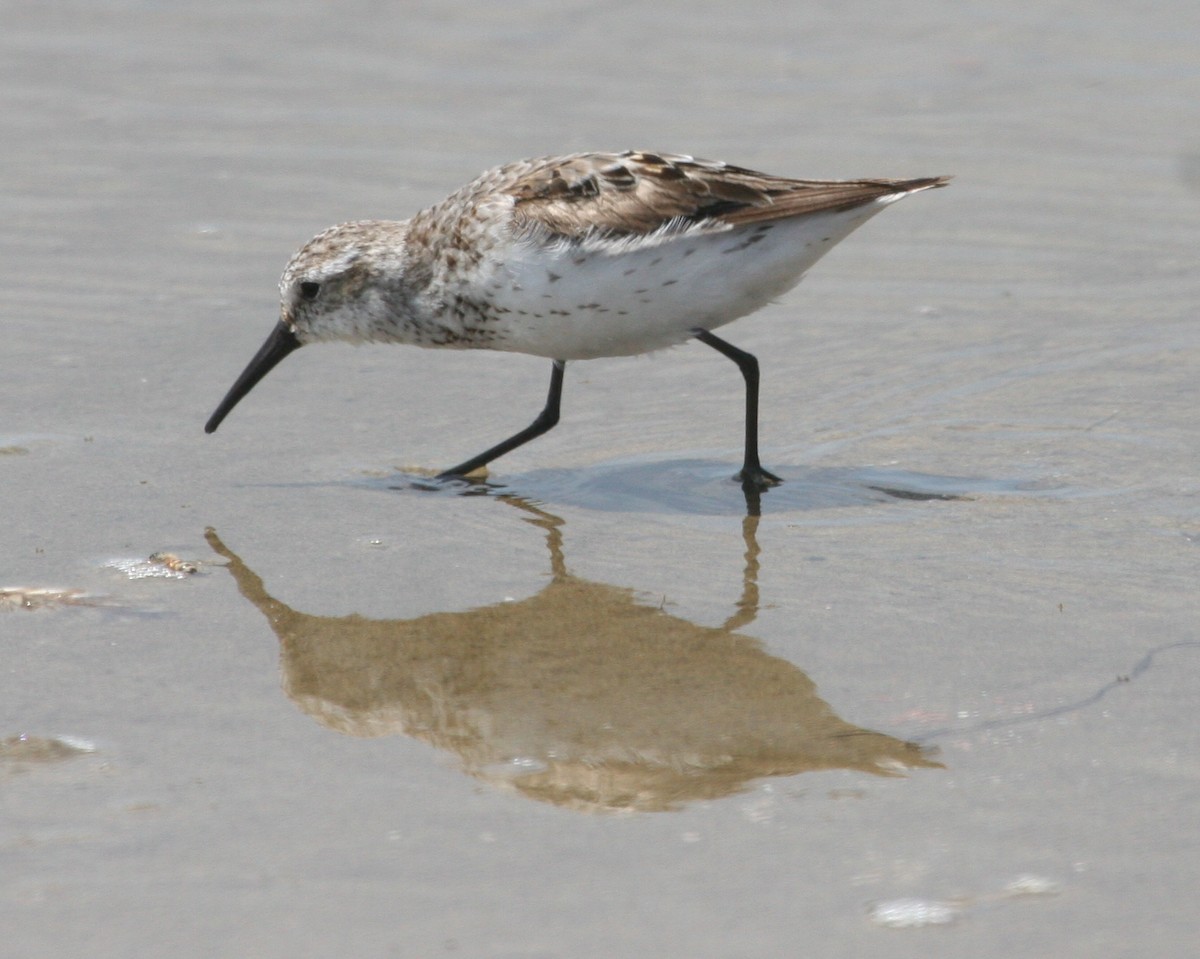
{"x": 757, "y": 478}
{"x": 457, "y": 474}
{"x": 465, "y": 484}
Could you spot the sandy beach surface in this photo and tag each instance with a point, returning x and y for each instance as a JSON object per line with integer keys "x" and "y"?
{"x": 932, "y": 701}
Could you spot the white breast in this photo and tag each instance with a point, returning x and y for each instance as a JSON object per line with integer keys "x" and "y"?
{"x": 626, "y": 296}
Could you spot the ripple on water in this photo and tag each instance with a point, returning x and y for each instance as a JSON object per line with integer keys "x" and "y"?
{"x": 698, "y": 487}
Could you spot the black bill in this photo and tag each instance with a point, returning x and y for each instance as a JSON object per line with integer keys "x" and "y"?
{"x": 279, "y": 344}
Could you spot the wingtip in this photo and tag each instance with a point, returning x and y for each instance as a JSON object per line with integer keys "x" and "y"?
{"x": 932, "y": 182}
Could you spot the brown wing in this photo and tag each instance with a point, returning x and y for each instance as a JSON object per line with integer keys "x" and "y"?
{"x": 637, "y": 192}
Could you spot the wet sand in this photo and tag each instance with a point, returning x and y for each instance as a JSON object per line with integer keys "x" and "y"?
{"x": 599, "y": 711}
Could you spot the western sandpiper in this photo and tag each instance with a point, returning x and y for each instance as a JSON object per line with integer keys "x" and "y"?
{"x": 572, "y": 258}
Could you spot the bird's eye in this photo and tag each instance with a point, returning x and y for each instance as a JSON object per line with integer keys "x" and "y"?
{"x": 309, "y": 290}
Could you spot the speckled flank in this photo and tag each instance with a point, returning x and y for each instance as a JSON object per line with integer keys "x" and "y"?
{"x": 577, "y": 256}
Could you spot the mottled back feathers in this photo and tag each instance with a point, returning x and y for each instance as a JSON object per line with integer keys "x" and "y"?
{"x": 637, "y": 192}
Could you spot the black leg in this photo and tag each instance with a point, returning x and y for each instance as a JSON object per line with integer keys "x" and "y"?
{"x": 753, "y": 476}
{"x": 545, "y": 422}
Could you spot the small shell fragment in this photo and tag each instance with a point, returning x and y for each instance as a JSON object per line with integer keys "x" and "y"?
{"x": 30, "y": 598}
{"x": 25, "y": 748}
{"x": 173, "y": 562}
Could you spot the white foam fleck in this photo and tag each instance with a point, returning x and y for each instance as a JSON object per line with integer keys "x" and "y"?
{"x": 913, "y": 913}
{"x": 148, "y": 568}
{"x": 1031, "y": 885}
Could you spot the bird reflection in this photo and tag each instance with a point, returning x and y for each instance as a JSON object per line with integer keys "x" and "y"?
{"x": 579, "y": 696}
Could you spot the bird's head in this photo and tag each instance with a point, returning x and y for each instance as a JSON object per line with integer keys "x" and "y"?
{"x": 343, "y": 284}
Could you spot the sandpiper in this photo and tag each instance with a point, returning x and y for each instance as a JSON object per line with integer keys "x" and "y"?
{"x": 572, "y": 258}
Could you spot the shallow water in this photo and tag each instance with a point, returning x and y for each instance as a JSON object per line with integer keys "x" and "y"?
{"x": 592, "y": 708}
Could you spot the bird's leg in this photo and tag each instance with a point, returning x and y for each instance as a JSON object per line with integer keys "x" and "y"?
{"x": 545, "y": 421}
{"x": 753, "y": 476}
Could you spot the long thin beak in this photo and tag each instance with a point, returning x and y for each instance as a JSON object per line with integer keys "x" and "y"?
{"x": 279, "y": 344}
